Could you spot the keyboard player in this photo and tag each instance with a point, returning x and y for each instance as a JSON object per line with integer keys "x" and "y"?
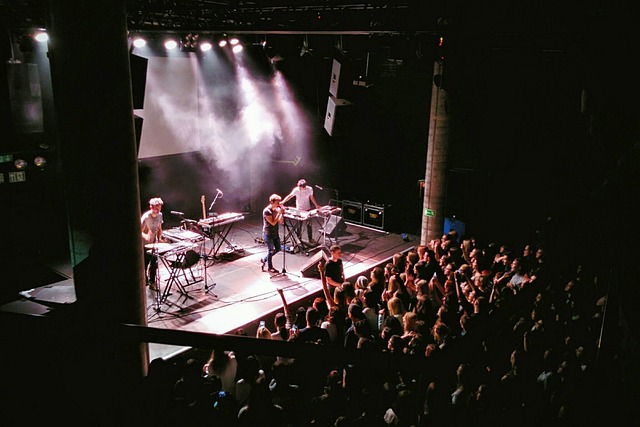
{"x": 304, "y": 198}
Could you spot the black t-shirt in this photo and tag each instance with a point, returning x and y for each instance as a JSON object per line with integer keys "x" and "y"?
{"x": 333, "y": 270}
{"x": 268, "y": 229}
{"x": 314, "y": 334}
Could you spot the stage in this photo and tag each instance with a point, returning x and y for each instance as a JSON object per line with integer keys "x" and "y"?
{"x": 225, "y": 289}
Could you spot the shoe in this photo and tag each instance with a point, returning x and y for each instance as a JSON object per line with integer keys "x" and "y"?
{"x": 273, "y": 270}
{"x": 262, "y": 264}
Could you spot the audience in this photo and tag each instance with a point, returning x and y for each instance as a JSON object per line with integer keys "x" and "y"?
{"x": 531, "y": 368}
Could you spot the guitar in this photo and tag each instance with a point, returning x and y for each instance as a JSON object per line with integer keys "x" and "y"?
{"x": 204, "y": 214}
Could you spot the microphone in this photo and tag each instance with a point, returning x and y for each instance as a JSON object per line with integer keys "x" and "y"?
{"x": 177, "y": 213}
{"x": 318, "y": 187}
{"x": 220, "y": 192}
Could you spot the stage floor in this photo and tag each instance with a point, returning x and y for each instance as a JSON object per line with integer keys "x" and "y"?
{"x": 226, "y": 289}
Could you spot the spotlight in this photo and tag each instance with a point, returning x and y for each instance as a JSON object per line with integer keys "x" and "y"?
{"x": 205, "y": 46}
{"x": 222, "y": 43}
{"x": 41, "y": 37}
{"x": 234, "y": 41}
{"x": 139, "y": 42}
{"x": 170, "y": 44}
{"x": 237, "y": 48}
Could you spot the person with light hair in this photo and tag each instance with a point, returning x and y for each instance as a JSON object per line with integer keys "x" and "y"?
{"x": 151, "y": 227}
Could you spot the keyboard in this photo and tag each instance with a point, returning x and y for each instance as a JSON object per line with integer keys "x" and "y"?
{"x": 326, "y": 210}
{"x": 221, "y": 220}
{"x": 296, "y": 214}
{"x": 181, "y": 235}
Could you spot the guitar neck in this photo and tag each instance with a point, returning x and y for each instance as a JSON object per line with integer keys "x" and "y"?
{"x": 204, "y": 214}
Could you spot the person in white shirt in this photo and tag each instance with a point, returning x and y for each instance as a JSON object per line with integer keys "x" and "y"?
{"x": 304, "y": 199}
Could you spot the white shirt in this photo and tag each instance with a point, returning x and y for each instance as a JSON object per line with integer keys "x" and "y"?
{"x": 302, "y": 196}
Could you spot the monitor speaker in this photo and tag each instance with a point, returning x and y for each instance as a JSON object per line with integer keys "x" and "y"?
{"x": 310, "y": 268}
{"x": 335, "y": 226}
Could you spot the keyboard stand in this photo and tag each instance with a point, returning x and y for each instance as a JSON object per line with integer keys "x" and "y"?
{"x": 218, "y": 236}
{"x": 292, "y": 234}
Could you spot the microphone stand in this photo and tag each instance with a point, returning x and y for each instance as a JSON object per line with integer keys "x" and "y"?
{"x": 283, "y": 245}
{"x": 335, "y": 190}
{"x": 205, "y": 258}
{"x": 160, "y": 296}
{"x": 214, "y": 201}
{"x": 156, "y": 279}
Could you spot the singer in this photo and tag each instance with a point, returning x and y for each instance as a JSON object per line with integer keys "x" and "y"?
{"x": 151, "y": 223}
{"x": 304, "y": 198}
{"x": 272, "y": 217}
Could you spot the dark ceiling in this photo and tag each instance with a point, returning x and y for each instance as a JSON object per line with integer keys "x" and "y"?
{"x": 342, "y": 16}
{"x": 257, "y": 15}
{"x": 538, "y": 26}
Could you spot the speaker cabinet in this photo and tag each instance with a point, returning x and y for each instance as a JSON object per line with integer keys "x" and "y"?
{"x": 137, "y": 123}
{"x": 337, "y": 119}
{"x": 352, "y": 211}
{"x": 335, "y": 226}
{"x": 334, "y": 82}
{"x": 138, "y": 66}
{"x": 373, "y": 216}
{"x": 310, "y": 268}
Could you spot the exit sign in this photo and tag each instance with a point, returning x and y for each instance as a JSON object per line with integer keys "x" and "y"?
{"x": 429, "y": 212}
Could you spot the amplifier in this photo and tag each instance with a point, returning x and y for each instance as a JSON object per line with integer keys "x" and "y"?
{"x": 373, "y": 216}
{"x": 352, "y": 211}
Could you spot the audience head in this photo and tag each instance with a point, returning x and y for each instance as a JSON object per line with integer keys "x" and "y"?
{"x": 280, "y": 320}
{"x": 313, "y": 317}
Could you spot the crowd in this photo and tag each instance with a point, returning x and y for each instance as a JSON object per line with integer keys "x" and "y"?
{"x": 534, "y": 329}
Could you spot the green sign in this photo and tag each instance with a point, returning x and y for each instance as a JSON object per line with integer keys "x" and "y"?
{"x": 429, "y": 212}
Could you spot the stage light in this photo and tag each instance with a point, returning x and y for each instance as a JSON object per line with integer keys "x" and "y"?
{"x": 237, "y": 48}
{"x": 139, "y": 42}
{"x": 170, "y": 44}
{"x": 20, "y": 164}
{"x": 40, "y": 162}
{"x": 190, "y": 42}
{"x": 41, "y": 37}
{"x": 234, "y": 41}
{"x": 205, "y": 46}
{"x": 222, "y": 43}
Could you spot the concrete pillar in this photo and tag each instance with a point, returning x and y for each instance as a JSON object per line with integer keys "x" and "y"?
{"x": 437, "y": 157}
{"x": 89, "y": 56}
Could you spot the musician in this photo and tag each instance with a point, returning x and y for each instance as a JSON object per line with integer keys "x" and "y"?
{"x": 304, "y": 198}
{"x": 151, "y": 223}
{"x": 272, "y": 216}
